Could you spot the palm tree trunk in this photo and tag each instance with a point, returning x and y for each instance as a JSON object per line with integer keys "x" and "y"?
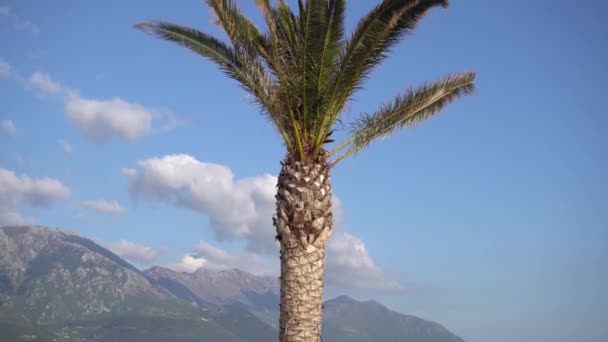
{"x": 304, "y": 222}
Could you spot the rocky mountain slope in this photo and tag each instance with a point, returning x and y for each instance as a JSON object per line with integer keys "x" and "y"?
{"x": 348, "y": 320}
{"x": 222, "y": 287}
{"x": 54, "y": 275}
{"x": 345, "y": 319}
{"x": 58, "y": 286}
{"x": 225, "y": 288}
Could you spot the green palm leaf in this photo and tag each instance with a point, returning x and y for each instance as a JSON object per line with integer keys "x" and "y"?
{"x": 201, "y": 43}
{"x": 242, "y": 32}
{"x": 375, "y": 34}
{"x": 302, "y": 70}
{"x": 407, "y": 109}
{"x": 249, "y": 73}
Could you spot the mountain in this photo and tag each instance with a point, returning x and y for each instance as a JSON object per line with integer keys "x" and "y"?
{"x": 345, "y": 319}
{"x": 58, "y": 286}
{"x": 56, "y": 275}
{"x": 225, "y": 288}
{"x": 348, "y": 320}
{"x": 221, "y": 287}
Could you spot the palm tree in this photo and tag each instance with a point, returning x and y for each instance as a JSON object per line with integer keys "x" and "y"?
{"x": 302, "y": 71}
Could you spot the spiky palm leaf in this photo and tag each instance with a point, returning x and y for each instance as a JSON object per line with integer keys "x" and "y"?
{"x": 407, "y": 109}
{"x": 302, "y": 71}
{"x": 375, "y": 34}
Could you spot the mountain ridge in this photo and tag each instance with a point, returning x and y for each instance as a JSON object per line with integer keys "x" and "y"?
{"x": 55, "y": 283}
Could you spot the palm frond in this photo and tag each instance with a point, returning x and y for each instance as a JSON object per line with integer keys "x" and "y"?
{"x": 287, "y": 39}
{"x": 321, "y": 23}
{"x": 303, "y": 71}
{"x": 328, "y": 56}
{"x": 374, "y": 36}
{"x": 407, "y": 109}
{"x": 332, "y": 40}
{"x": 197, "y": 41}
{"x": 311, "y": 17}
{"x": 286, "y": 67}
{"x": 268, "y": 13}
{"x": 242, "y": 32}
{"x": 248, "y": 73}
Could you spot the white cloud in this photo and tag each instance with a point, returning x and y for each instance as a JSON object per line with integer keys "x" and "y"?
{"x": 105, "y": 207}
{"x": 103, "y": 120}
{"x": 209, "y": 256}
{"x": 19, "y": 190}
{"x": 189, "y": 263}
{"x": 242, "y": 210}
{"x": 43, "y": 82}
{"x": 9, "y": 127}
{"x": 38, "y": 192}
{"x": 5, "y": 68}
{"x": 217, "y": 258}
{"x": 237, "y": 209}
{"x": 134, "y": 252}
{"x": 14, "y": 218}
{"x": 65, "y": 146}
{"x": 348, "y": 264}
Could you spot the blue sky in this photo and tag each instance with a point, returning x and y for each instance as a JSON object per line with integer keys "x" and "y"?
{"x": 491, "y": 218}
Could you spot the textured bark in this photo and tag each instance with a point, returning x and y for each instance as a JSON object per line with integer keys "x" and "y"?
{"x": 304, "y": 222}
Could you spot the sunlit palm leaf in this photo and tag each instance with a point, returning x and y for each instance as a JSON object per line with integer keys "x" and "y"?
{"x": 375, "y": 34}
{"x": 407, "y": 109}
{"x": 242, "y": 32}
{"x": 249, "y": 74}
{"x": 302, "y": 71}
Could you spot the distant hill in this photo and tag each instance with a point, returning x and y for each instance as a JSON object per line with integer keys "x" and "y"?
{"x": 58, "y": 286}
{"x": 226, "y": 288}
{"x": 348, "y": 320}
{"x": 53, "y": 275}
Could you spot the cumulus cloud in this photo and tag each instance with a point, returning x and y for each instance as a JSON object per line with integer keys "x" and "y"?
{"x": 65, "y": 146}
{"x": 189, "y": 263}
{"x": 134, "y": 252}
{"x": 105, "y": 207}
{"x": 9, "y": 127}
{"x": 242, "y": 210}
{"x": 237, "y": 209}
{"x": 349, "y": 265}
{"x": 37, "y": 192}
{"x": 212, "y": 257}
{"x": 13, "y": 218}
{"x": 43, "y": 82}
{"x": 24, "y": 190}
{"x": 5, "y": 68}
{"x": 101, "y": 120}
